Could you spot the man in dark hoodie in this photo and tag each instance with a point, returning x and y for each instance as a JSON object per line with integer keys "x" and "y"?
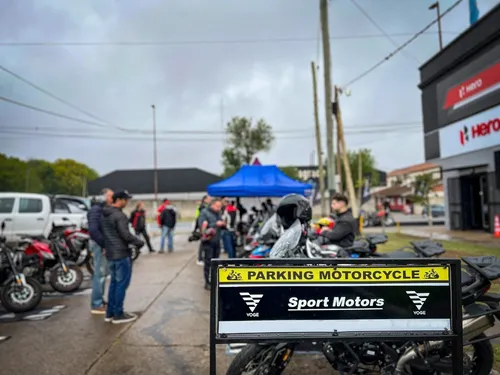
{"x": 117, "y": 239}
{"x": 344, "y": 231}
{"x": 96, "y": 246}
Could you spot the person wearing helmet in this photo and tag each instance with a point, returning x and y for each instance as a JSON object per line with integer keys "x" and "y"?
{"x": 293, "y": 207}
{"x": 344, "y": 231}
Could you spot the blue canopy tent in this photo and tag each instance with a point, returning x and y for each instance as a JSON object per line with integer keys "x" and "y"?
{"x": 258, "y": 181}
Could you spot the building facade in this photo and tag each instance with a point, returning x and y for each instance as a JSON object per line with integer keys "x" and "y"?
{"x": 461, "y": 111}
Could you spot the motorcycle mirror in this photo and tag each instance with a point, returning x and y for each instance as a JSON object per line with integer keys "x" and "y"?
{"x": 3, "y": 225}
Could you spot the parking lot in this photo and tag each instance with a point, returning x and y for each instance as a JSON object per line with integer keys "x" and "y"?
{"x": 170, "y": 337}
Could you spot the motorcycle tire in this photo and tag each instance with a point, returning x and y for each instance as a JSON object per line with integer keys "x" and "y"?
{"x": 12, "y": 306}
{"x": 484, "y": 355}
{"x": 89, "y": 264}
{"x": 66, "y": 283}
{"x": 245, "y": 357}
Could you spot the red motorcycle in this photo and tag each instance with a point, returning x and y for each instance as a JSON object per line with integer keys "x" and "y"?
{"x": 43, "y": 256}
{"x": 76, "y": 244}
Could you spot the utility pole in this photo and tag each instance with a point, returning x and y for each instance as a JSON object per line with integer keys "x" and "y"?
{"x": 339, "y": 162}
{"x": 155, "y": 157}
{"x": 347, "y": 168}
{"x": 323, "y": 7}
{"x": 438, "y": 11}
{"x": 360, "y": 178}
{"x": 319, "y": 150}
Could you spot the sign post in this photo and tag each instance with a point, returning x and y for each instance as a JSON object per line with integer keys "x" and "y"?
{"x": 303, "y": 300}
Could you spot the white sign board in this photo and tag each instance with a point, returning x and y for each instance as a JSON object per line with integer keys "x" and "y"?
{"x": 474, "y": 133}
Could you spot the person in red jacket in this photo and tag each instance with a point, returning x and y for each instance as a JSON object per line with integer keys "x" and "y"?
{"x": 138, "y": 221}
{"x": 165, "y": 203}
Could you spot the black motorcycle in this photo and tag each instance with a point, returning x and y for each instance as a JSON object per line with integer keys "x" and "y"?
{"x": 17, "y": 292}
{"x": 402, "y": 358}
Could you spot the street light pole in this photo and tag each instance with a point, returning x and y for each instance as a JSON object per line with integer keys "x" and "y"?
{"x": 438, "y": 11}
{"x": 155, "y": 156}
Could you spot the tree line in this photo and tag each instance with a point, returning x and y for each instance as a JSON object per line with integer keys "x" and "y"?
{"x": 246, "y": 138}
{"x": 63, "y": 176}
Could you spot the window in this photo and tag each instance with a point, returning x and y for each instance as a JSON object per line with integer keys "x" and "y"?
{"x": 60, "y": 208}
{"x": 6, "y": 205}
{"x": 30, "y": 206}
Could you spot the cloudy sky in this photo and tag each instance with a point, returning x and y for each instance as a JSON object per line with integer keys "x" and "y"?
{"x": 201, "y": 62}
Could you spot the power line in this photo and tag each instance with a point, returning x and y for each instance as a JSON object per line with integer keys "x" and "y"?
{"x": 219, "y": 138}
{"x": 389, "y": 38}
{"x": 53, "y": 96}
{"x": 359, "y": 128}
{"x": 409, "y": 41}
{"x": 52, "y": 113}
{"x": 201, "y": 42}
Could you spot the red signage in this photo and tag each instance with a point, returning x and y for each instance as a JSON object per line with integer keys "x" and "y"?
{"x": 487, "y": 79}
{"x": 480, "y": 130}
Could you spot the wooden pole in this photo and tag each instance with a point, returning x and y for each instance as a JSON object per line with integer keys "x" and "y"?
{"x": 339, "y": 163}
{"x": 319, "y": 150}
{"x": 330, "y": 152}
{"x": 347, "y": 168}
{"x": 360, "y": 178}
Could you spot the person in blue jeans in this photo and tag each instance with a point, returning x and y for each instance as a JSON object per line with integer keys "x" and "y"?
{"x": 96, "y": 246}
{"x": 228, "y": 232}
{"x": 117, "y": 242}
{"x": 168, "y": 220}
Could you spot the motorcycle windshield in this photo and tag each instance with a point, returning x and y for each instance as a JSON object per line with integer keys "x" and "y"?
{"x": 270, "y": 227}
{"x": 288, "y": 242}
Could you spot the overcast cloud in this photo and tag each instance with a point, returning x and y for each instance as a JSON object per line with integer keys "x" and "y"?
{"x": 187, "y": 81}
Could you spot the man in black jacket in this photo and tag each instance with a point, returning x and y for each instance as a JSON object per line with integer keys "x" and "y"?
{"x": 117, "y": 239}
{"x": 168, "y": 220}
{"x": 96, "y": 246}
{"x": 344, "y": 231}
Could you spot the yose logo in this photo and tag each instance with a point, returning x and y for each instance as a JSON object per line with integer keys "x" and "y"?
{"x": 252, "y": 300}
{"x": 418, "y": 299}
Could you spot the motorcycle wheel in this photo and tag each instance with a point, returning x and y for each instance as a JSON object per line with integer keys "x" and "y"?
{"x": 89, "y": 263}
{"x": 482, "y": 360}
{"x": 255, "y": 360}
{"x": 66, "y": 282}
{"x": 18, "y": 299}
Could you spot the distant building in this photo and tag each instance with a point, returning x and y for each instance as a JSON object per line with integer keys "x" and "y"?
{"x": 183, "y": 186}
{"x": 400, "y": 184}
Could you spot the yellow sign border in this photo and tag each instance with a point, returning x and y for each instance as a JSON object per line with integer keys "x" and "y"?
{"x": 341, "y": 274}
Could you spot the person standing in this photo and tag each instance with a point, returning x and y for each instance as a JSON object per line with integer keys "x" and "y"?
{"x": 168, "y": 219}
{"x": 138, "y": 221}
{"x": 117, "y": 239}
{"x": 211, "y": 224}
{"x": 205, "y": 201}
{"x": 96, "y": 246}
{"x": 159, "y": 211}
{"x": 228, "y": 231}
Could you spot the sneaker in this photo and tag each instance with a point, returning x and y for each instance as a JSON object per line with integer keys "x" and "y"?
{"x": 161, "y": 251}
{"x": 125, "y": 318}
{"x": 99, "y": 310}
{"x": 108, "y": 319}
{"x": 152, "y": 251}
{"x": 200, "y": 263}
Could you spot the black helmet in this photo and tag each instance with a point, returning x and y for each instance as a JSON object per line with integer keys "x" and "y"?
{"x": 293, "y": 207}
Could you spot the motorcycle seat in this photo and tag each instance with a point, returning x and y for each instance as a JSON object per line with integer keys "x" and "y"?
{"x": 32, "y": 237}
{"x": 489, "y": 265}
{"x": 401, "y": 254}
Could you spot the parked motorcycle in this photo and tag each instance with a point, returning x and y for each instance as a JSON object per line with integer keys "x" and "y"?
{"x": 402, "y": 358}
{"x": 18, "y": 293}
{"x": 48, "y": 255}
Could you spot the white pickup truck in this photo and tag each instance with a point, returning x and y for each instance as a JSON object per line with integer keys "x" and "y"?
{"x": 35, "y": 214}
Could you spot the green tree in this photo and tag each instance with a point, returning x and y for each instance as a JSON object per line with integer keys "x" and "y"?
{"x": 40, "y": 176}
{"x": 71, "y": 177}
{"x": 368, "y": 169}
{"x": 422, "y": 190}
{"x": 244, "y": 140}
{"x": 291, "y": 172}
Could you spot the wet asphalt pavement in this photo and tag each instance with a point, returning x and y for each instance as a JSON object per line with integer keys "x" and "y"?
{"x": 170, "y": 337}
